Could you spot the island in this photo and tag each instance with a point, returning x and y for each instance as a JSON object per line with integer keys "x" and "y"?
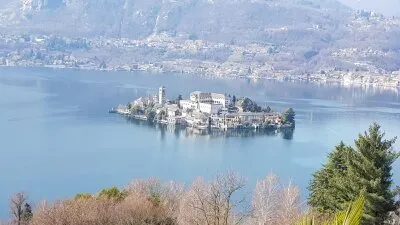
{"x": 206, "y": 111}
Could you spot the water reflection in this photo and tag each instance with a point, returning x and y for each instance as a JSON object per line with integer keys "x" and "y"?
{"x": 178, "y": 131}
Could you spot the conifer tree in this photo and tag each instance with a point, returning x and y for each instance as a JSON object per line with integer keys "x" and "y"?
{"x": 325, "y": 191}
{"x": 350, "y": 171}
{"x": 370, "y": 169}
{"x": 289, "y": 116}
{"x": 27, "y": 212}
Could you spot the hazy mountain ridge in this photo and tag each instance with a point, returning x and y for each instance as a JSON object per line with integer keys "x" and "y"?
{"x": 297, "y": 35}
{"x": 207, "y": 19}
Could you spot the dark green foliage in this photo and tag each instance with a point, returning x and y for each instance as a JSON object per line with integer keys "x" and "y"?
{"x": 27, "y": 212}
{"x": 151, "y": 115}
{"x": 150, "y": 112}
{"x": 370, "y": 169}
{"x": 162, "y": 115}
{"x": 248, "y": 105}
{"x": 289, "y": 116}
{"x": 324, "y": 187}
{"x": 178, "y": 100}
{"x": 349, "y": 171}
{"x": 113, "y": 193}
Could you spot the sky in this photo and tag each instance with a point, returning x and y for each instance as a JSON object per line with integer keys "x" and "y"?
{"x": 387, "y": 7}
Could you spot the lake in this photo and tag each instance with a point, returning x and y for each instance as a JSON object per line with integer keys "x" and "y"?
{"x": 57, "y": 137}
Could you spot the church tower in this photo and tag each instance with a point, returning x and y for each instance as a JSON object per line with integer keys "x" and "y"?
{"x": 161, "y": 96}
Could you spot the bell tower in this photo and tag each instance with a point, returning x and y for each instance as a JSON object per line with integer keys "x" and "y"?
{"x": 161, "y": 96}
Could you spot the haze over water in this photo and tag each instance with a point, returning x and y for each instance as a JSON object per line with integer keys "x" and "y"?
{"x": 57, "y": 138}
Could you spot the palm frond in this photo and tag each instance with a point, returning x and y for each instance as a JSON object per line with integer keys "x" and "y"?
{"x": 352, "y": 216}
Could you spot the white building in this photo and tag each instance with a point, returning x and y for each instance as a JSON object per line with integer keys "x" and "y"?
{"x": 172, "y": 110}
{"x": 187, "y": 104}
{"x": 211, "y": 98}
{"x": 210, "y": 108}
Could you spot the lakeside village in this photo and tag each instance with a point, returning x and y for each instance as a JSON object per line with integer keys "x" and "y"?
{"x": 207, "y": 111}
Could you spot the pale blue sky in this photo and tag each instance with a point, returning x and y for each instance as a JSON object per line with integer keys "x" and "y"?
{"x": 388, "y": 7}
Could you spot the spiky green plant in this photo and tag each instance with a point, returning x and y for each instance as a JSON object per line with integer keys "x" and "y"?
{"x": 352, "y": 216}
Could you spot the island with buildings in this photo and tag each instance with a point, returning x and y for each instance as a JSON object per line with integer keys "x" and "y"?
{"x": 206, "y": 111}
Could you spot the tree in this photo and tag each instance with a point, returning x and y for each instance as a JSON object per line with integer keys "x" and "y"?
{"x": 234, "y": 100}
{"x": 265, "y": 200}
{"x": 213, "y": 203}
{"x": 161, "y": 115}
{"x": 113, "y": 193}
{"x": 274, "y": 204}
{"x": 324, "y": 189}
{"x": 248, "y": 105}
{"x": 366, "y": 168}
{"x": 178, "y": 100}
{"x": 16, "y": 206}
{"x": 27, "y": 212}
{"x": 288, "y": 116}
{"x": 370, "y": 169}
{"x": 83, "y": 196}
{"x": 151, "y": 115}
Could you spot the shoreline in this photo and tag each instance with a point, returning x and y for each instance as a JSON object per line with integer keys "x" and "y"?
{"x": 339, "y": 82}
{"x": 286, "y": 131}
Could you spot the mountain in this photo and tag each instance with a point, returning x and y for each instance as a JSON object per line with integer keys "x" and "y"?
{"x": 220, "y": 20}
{"x": 302, "y": 35}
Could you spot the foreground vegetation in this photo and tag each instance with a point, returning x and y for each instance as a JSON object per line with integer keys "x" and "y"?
{"x": 354, "y": 187}
{"x": 367, "y": 167}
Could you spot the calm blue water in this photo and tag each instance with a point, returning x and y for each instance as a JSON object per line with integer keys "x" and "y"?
{"x": 57, "y": 138}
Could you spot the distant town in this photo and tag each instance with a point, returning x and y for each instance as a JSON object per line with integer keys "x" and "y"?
{"x": 162, "y": 53}
{"x": 205, "y": 110}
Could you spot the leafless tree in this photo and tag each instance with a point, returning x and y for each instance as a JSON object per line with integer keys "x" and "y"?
{"x": 137, "y": 208}
{"x": 266, "y": 200}
{"x": 213, "y": 203}
{"x": 289, "y": 207}
{"x": 167, "y": 194}
{"x": 150, "y": 202}
{"x": 274, "y": 204}
{"x": 16, "y": 207}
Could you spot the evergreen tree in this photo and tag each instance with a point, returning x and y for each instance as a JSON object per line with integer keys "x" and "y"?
{"x": 178, "y": 100}
{"x": 289, "y": 115}
{"x": 27, "y": 212}
{"x": 325, "y": 191}
{"x": 370, "y": 169}
{"x": 349, "y": 171}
